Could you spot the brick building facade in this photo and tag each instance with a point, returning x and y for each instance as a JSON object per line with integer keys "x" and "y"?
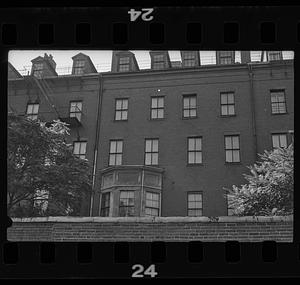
{"x": 163, "y": 141}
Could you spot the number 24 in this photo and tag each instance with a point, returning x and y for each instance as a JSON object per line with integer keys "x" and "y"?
{"x": 135, "y": 14}
{"x": 140, "y": 270}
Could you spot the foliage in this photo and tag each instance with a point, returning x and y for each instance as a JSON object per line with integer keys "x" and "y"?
{"x": 270, "y": 187}
{"x": 44, "y": 176}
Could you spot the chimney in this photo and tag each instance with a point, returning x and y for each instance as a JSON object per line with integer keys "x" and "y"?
{"x": 245, "y": 56}
{"x": 50, "y": 60}
{"x": 43, "y": 66}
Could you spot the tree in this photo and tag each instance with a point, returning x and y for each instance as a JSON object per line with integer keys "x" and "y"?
{"x": 270, "y": 187}
{"x": 44, "y": 177}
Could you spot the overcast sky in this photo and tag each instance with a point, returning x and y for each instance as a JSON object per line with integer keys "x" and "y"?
{"x": 21, "y": 59}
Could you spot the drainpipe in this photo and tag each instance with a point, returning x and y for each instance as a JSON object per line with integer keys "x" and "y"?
{"x": 252, "y": 109}
{"x": 142, "y": 191}
{"x": 98, "y": 119}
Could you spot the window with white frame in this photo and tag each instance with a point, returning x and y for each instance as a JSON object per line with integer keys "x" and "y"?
{"x": 279, "y": 140}
{"x": 79, "y": 67}
{"x": 190, "y": 106}
{"x": 124, "y": 64}
{"x": 126, "y": 204}
{"x": 195, "y": 150}
{"x": 38, "y": 70}
{"x": 151, "y": 152}
{"x": 76, "y": 109}
{"x": 157, "y": 108}
{"x": 232, "y": 148}
{"x": 278, "y": 103}
{"x": 194, "y": 204}
{"x": 158, "y": 61}
{"x": 152, "y": 204}
{"x": 32, "y": 110}
{"x": 121, "y": 112}
{"x": 227, "y": 104}
{"x": 105, "y": 204}
{"x": 79, "y": 149}
{"x": 115, "y": 152}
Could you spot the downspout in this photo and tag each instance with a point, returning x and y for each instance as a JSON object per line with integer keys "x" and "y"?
{"x": 252, "y": 99}
{"x": 98, "y": 119}
{"x": 142, "y": 193}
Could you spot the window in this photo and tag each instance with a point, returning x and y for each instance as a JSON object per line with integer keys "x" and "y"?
{"x": 230, "y": 207}
{"x": 158, "y": 61}
{"x": 40, "y": 201}
{"x": 194, "y": 204}
{"x": 189, "y": 59}
{"x": 126, "y": 206}
{"x": 79, "y": 149}
{"x": 232, "y": 148}
{"x": 124, "y": 64}
{"x": 157, "y": 108}
{"x": 121, "y": 113}
{"x": 195, "y": 150}
{"x": 79, "y": 66}
{"x": 76, "y": 109}
{"x": 274, "y": 55}
{"x": 279, "y": 140}
{"x": 152, "y": 204}
{"x": 32, "y": 111}
{"x": 227, "y": 104}
{"x": 226, "y": 57}
{"x": 105, "y": 204}
{"x": 115, "y": 152}
{"x": 38, "y": 70}
{"x": 278, "y": 103}
{"x": 151, "y": 152}
{"x": 189, "y": 106}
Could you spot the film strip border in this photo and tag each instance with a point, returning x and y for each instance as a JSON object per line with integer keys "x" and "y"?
{"x": 244, "y": 27}
{"x": 171, "y": 28}
{"x": 192, "y": 259}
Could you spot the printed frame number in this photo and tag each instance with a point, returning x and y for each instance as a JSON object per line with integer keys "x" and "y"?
{"x": 145, "y": 14}
{"x": 140, "y": 272}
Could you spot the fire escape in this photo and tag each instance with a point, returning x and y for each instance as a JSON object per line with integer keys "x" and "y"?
{"x": 61, "y": 113}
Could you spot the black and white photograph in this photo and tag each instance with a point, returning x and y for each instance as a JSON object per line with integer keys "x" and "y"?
{"x": 150, "y": 145}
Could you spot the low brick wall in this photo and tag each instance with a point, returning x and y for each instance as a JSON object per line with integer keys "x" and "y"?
{"x": 210, "y": 229}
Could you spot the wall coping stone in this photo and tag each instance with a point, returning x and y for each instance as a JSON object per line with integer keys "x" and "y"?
{"x": 223, "y": 219}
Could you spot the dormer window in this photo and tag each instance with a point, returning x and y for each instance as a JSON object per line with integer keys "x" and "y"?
{"x": 274, "y": 55}
{"x": 124, "y": 64}
{"x": 189, "y": 59}
{"x": 78, "y": 67}
{"x": 225, "y": 57}
{"x": 158, "y": 61}
{"x": 38, "y": 70}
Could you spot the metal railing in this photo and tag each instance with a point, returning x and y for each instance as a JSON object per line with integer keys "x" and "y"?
{"x": 145, "y": 64}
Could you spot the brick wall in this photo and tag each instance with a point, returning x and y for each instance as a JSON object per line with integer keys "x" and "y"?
{"x": 244, "y": 229}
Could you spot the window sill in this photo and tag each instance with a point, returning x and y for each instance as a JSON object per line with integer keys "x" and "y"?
{"x": 189, "y": 118}
{"x": 233, "y": 163}
{"x": 194, "y": 164}
{"x": 227, "y": 116}
{"x": 276, "y": 114}
{"x": 160, "y": 119}
{"x": 120, "y": 120}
